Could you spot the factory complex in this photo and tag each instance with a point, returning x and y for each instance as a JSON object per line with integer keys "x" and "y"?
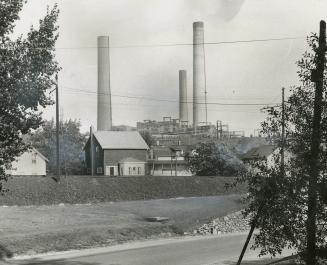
{"x": 125, "y": 153}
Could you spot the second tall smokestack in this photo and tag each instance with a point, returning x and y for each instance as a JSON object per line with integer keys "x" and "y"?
{"x": 104, "y": 93}
{"x": 198, "y": 74}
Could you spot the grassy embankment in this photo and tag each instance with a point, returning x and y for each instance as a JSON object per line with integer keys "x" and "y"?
{"x": 28, "y": 190}
{"x": 55, "y": 224}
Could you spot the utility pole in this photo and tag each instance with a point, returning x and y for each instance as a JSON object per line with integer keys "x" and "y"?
{"x": 282, "y": 149}
{"x": 92, "y": 151}
{"x": 247, "y": 241}
{"x": 255, "y": 220}
{"x": 318, "y": 78}
{"x": 57, "y": 130}
{"x": 175, "y": 165}
{"x": 63, "y": 143}
{"x": 205, "y": 83}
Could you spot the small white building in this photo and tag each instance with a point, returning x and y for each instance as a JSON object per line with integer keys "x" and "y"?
{"x": 131, "y": 167}
{"x": 30, "y": 163}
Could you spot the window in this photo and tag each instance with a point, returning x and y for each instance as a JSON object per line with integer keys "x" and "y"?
{"x": 129, "y": 170}
{"x": 99, "y": 170}
{"x": 34, "y": 158}
{"x": 97, "y": 149}
{"x": 138, "y": 170}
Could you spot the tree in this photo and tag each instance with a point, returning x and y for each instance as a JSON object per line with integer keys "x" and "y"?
{"x": 211, "y": 159}
{"x": 27, "y": 71}
{"x": 72, "y": 142}
{"x": 280, "y": 191}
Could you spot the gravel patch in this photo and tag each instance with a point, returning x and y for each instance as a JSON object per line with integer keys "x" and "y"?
{"x": 231, "y": 223}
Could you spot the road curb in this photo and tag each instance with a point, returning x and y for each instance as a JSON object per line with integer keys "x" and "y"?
{"x": 121, "y": 247}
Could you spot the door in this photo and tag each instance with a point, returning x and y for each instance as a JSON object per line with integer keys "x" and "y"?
{"x": 110, "y": 171}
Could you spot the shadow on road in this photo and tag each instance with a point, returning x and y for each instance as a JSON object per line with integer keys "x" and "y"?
{"x": 263, "y": 262}
{"x": 56, "y": 262}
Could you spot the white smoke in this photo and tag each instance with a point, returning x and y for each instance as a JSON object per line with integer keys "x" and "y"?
{"x": 229, "y": 9}
{"x": 225, "y": 10}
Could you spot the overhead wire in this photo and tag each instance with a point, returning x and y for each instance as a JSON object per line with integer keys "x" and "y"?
{"x": 170, "y": 100}
{"x": 162, "y": 45}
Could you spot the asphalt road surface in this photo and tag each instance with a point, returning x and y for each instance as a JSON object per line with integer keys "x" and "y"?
{"x": 188, "y": 251}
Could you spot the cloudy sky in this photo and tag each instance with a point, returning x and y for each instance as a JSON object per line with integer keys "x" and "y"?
{"x": 237, "y": 73}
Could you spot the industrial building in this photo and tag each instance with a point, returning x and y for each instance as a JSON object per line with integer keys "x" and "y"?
{"x": 197, "y": 123}
{"x": 119, "y": 153}
{"x": 116, "y": 153}
{"x": 167, "y": 125}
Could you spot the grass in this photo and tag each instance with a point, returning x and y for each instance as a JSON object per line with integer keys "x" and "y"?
{"x": 35, "y": 190}
{"x": 38, "y": 229}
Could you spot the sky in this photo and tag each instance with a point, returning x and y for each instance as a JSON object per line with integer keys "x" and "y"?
{"x": 144, "y": 80}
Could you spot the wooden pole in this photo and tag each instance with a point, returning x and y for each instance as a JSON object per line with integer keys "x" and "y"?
{"x": 247, "y": 241}
{"x": 282, "y": 150}
{"x": 92, "y": 151}
{"x": 254, "y": 222}
{"x": 57, "y": 132}
{"x": 318, "y": 78}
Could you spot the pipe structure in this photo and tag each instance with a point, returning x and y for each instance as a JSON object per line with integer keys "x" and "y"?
{"x": 183, "y": 106}
{"x": 199, "y": 88}
{"x": 104, "y": 94}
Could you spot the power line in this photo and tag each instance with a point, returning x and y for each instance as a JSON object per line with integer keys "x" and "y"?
{"x": 131, "y": 105}
{"x": 191, "y": 44}
{"x": 169, "y": 100}
{"x": 215, "y": 97}
{"x": 160, "y": 45}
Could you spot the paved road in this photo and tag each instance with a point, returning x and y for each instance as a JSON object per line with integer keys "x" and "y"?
{"x": 189, "y": 251}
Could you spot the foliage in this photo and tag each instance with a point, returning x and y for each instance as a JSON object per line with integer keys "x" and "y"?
{"x": 71, "y": 142}
{"x": 212, "y": 159}
{"x": 27, "y": 72}
{"x": 283, "y": 194}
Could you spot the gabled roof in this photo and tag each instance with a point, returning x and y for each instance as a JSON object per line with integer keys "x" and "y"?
{"x": 260, "y": 152}
{"x": 130, "y": 160}
{"x": 120, "y": 140}
{"x": 38, "y": 152}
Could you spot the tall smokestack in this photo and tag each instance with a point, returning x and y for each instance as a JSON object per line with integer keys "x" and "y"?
{"x": 183, "y": 107}
{"x": 104, "y": 94}
{"x": 199, "y": 93}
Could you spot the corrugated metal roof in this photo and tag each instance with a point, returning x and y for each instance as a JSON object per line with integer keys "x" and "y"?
{"x": 120, "y": 140}
{"x": 259, "y": 152}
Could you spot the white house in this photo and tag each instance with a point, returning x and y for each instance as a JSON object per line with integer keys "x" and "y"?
{"x": 265, "y": 153}
{"x": 168, "y": 161}
{"x": 30, "y": 163}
